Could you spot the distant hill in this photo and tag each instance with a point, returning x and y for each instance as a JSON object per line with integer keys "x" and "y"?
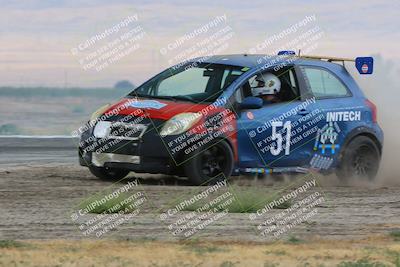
{"x": 125, "y": 84}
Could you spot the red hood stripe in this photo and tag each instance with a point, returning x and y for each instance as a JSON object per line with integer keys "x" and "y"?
{"x": 167, "y": 108}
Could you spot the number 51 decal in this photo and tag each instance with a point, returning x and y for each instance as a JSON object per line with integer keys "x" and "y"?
{"x": 277, "y": 135}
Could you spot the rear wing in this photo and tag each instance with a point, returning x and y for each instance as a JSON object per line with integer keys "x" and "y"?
{"x": 364, "y": 65}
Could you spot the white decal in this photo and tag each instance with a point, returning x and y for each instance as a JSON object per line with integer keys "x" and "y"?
{"x": 343, "y": 116}
{"x": 278, "y": 137}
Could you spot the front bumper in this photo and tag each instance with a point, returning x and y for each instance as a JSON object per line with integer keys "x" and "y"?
{"x": 148, "y": 154}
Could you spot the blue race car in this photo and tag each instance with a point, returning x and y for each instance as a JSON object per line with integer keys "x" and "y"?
{"x": 219, "y": 116}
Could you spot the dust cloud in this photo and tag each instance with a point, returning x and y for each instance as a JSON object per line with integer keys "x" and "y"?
{"x": 383, "y": 89}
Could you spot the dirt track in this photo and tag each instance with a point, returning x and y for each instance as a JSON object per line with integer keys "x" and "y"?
{"x": 36, "y": 203}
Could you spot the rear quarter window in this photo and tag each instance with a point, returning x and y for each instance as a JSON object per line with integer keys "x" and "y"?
{"x": 324, "y": 84}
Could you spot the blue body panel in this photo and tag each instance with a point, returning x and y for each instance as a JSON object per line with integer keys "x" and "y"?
{"x": 339, "y": 120}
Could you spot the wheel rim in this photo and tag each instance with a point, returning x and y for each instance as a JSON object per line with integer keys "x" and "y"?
{"x": 213, "y": 161}
{"x": 364, "y": 162}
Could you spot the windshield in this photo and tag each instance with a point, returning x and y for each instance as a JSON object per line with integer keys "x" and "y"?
{"x": 199, "y": 83}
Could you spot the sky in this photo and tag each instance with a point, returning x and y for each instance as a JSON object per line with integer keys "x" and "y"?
{"x": 42, "y": 42}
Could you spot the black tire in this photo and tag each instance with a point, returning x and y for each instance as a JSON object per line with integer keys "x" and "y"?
{"x": 359, "y": 160}
{"x": 213, "y": 164}
{"x": 110, "y": 174}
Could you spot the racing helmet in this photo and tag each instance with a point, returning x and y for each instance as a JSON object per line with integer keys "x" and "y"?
{"x": 267, "y": 84}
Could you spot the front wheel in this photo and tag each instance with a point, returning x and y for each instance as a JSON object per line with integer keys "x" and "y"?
{"x": 106, "y": 173}
{"x": 360, "y": 159}
{"x": 213, "y": 164}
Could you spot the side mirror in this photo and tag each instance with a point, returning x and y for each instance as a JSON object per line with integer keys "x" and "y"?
{"x": 251, "y": 102}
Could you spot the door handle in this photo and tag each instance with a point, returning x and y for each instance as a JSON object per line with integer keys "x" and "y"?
{"x": 303, "y": 112}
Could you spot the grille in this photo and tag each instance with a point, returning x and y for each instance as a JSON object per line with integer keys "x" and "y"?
{"x": 127, "y": 131}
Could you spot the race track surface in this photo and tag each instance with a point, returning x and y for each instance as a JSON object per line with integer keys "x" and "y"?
{"x": 40, "y": 187}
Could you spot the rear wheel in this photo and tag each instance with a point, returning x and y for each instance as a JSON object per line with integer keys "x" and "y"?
{"x": 210, "y": 165}
{"x": 360, "y": 160}
{"x": 106, "y": 173}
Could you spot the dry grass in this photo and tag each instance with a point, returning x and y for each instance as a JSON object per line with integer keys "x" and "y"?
{"x": 372, "y": 252}
{"x": 245, "y": 200}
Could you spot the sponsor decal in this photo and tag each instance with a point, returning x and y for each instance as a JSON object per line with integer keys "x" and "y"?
{"x": 257, "y": 170}
{"x": 320, "y": 162}
{"x": 343, "y": 116}
{"x": 154, "y": 104}
{"x": 275, "y": 170}
{"x": 250, "y": 115}
{"x": 326, "y": 138}
{"x": 364, "y": 68}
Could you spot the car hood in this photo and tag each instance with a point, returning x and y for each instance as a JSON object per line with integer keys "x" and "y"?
{"x": 154, "y": 108}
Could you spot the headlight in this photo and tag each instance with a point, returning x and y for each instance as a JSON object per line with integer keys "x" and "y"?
{"x": 102, "y": 129}
{"x": 99, "y": 112}
{"x": 180, "y": 123}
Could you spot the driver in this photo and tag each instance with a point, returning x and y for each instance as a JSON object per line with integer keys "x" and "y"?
{"x": 267, "y": 88}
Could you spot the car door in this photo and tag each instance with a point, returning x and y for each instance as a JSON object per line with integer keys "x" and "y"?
{"x": 273, "y": 136}
{"x": 334, "y": 100}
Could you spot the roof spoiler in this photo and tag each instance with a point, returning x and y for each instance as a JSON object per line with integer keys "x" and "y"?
{"x": 364, "y": 65}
